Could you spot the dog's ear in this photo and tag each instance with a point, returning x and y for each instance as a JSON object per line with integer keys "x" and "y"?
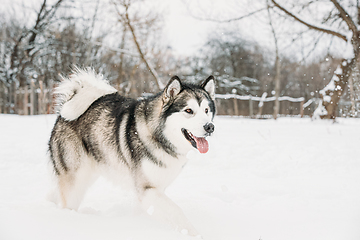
{"x": 209, "y": 86}
{"x": 172, "y": 89}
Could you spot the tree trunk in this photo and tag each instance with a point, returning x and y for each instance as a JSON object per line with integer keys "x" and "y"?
{"x": 277, "y": 68}
{"x": 331, "y": 94}
{"x": 352, "y": 96}
{"x": 157, "y": 81}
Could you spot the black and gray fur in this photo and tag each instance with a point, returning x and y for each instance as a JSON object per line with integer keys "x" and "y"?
{"x": 126, "y": 136}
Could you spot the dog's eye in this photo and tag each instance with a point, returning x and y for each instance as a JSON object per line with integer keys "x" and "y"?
{"x": 206, "y": 110}
{"x": 189, "y": 111}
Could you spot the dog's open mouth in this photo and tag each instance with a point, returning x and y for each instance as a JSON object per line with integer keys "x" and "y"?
{"x": 200, "y": 143}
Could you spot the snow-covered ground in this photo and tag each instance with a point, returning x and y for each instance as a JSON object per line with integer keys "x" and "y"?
{"x": 262, "y": 179}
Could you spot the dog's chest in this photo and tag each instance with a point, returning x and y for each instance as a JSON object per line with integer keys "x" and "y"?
{"x": 163, "y": 176}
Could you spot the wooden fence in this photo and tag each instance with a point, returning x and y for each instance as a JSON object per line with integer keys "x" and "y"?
{"x": 32, "y": 99}
{"x": 232, "y": 104}
{"x": 37, "y": 98}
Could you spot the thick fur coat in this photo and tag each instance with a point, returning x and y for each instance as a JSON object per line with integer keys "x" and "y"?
{"x": 99, "y": 131}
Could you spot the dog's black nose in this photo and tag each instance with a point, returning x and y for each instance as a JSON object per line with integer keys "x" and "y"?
{"x": 209, "y": 127}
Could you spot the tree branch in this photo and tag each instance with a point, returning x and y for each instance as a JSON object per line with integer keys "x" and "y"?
{"x": 41, "y": 21}
{"x": 328, "y": 31}
{"x": 345, "y": 16}
{"x": 119, "y": 50}
{"x": 231, "y": 19}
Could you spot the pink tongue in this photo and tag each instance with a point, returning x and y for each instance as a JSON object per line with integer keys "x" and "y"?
{"x": 201, "y": 144}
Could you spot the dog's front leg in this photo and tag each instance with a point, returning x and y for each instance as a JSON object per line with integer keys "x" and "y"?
{"x": 158, "y": 205}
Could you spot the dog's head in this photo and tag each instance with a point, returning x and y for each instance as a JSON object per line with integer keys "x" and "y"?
{"x": 189, "y": 111}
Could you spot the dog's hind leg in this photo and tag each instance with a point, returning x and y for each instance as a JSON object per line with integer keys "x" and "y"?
{"x": 73, "y": 186}
{"x": 158, "y": 205}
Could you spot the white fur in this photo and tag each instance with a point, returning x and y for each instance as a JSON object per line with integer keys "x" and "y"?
{"x": 84, "y": 178}
{"x": 162, "y": 208}
{"x": 161, "y": 178}
{"x": 193, "y": 122}
{"x": 79, "y": 91}
{"x": 154, "y": 201}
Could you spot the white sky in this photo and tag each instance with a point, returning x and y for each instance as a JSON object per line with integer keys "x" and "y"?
{"x": 186, "y": 34}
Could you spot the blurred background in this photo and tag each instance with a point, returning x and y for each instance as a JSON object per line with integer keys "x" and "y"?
{"x": 270, "y": 58}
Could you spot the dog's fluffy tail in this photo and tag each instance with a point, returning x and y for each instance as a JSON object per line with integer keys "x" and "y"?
{"x": 76, "y": 93}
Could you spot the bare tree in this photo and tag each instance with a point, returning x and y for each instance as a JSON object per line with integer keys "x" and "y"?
{"x": 24, "y": 49}
{"x": 23, "y": 44}
{"x": 124, "y": 17}
{"x": 277, "y": 67}
{"x": 348, "y": 31}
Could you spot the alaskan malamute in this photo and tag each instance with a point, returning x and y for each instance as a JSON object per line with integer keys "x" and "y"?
{"x": 100, "y": 131}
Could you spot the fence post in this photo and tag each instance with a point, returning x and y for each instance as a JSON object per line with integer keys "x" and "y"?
{"x": 26, "y": 100}
{"x": 16, "y": 110}
{"x": 11, "y": 98}
{"x": 1, "y": 97}
{"x": 302, "y": 108}
{"x": 251, "y": 110}
{"x": 6, "y": 94}
{"x": 261, "y": 104}
{"x": 19, "y": 106}
{"x": 260, "y": 111}
{"x": 41, "y": 98}
{"x": 236, "y": 109}
{"x": 51, "y": 97}
{"x": 32, "y": 97}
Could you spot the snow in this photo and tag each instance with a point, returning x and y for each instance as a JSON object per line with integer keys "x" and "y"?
{"x": 338, "y": 71}
{"x": 310, "y": 101}
{"x": 263, "y": 97}
{"x": 327, "y": 98}
{"x": 328, "y": 90}
{"x": 261, "y": 179}
{"x": 320, "y": 110}
{"x": 330, "y": 86}
{"x": 349, "y": 49}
